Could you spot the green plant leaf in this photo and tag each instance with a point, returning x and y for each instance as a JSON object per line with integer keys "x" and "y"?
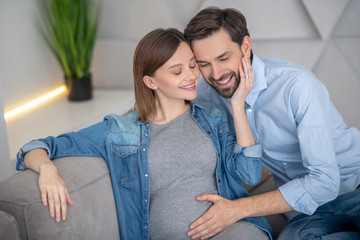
{"x": 69, "y": 28}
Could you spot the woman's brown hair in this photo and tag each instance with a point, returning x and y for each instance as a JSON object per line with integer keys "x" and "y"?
{"x": 153, "y": 51}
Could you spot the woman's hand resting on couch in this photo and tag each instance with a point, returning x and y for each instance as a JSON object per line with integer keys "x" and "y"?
{"x": 52, "y": 188}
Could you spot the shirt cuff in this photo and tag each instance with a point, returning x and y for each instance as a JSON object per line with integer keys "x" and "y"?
{"x": 20, "y": 165}
{"x": 254, "y": 151}
{"x": 297, "y": 198}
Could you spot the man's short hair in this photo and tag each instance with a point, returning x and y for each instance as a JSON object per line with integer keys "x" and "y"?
{"x": 212, "y": 19}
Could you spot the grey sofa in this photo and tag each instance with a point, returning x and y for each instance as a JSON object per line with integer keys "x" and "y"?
{"x": 93, "y": 216}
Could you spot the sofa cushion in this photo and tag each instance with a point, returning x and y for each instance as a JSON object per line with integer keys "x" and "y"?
{"x": 8, "y": 227}
{"x": 276, "y": 221}
{"x": 93, "y": 215}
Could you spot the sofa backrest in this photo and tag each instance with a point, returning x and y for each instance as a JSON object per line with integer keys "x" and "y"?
{"x": 93, "y": 215}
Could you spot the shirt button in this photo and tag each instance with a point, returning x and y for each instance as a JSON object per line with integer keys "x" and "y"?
{"x": 208, "y": 132}
{"x": 146, "y": 134}
{"x": 218, "y": 154}
{"x": 220, "y": 131}
{"x": 145, "y": 227}
{"x": 195, "y": 116}
{"x": 219, "y": 180}
{"x": 148, "y": 125}
{"x": 249, "y": 110}
{"x": 146, "y": 175}
{"x": 144, "y": 149}
{"x": 284, "y": 163}
{"x": 146, "y": 200}
{"x": 122, "y": 154}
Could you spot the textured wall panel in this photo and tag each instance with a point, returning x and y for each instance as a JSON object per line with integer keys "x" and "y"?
{"x": 112, "y": 64}
{"x": 350, "y": 20}
{"x": 349, "y": 48}
{"x": 325, "y": 14}
{"x": 304, "y": 52}
{"x": 342, "y": 83}
{"x": 275, "y": 19}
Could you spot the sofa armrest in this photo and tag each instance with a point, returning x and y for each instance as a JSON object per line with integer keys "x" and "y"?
{"x": 93, "y": 215}
{"x": 8, "y": 226}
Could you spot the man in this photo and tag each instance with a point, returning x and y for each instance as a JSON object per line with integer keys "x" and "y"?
{"x": 313, "y": 155}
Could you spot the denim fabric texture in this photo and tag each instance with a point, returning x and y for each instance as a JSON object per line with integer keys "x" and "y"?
{"x": 123, "y": 142}
{"x": 338, "y": 219}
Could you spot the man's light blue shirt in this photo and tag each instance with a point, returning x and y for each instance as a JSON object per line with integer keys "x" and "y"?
{"x": 313, "y": 155}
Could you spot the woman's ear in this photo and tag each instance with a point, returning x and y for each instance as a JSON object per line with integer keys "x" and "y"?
{"x": 246, "y": 46}
{"x": 149, "y": 82}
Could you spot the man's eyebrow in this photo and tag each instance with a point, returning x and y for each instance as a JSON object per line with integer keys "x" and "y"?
{"x": 222, "y": 55}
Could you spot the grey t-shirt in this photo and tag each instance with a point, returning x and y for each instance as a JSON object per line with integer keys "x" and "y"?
{"x": 182, "y": 162}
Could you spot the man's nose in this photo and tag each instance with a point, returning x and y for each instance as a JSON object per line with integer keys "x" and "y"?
{"x": 217, "y": 71}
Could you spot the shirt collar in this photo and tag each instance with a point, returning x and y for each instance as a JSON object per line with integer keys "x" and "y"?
{"x": 259, "y": 80}
{"x": 193, "y": 104}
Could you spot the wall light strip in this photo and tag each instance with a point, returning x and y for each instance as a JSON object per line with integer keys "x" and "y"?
{"x": 35, "y": 102}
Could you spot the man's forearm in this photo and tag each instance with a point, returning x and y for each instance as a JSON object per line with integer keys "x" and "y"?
{"x": 262, "y": 205}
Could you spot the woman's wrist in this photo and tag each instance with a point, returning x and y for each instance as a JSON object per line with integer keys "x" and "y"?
{"x": 47, "y": 167}
{"x": 236, "y": 105}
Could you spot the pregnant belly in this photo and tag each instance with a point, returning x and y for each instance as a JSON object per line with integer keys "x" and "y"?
{"x": 171, "y": 216}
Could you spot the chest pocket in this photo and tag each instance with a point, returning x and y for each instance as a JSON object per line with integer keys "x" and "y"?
{"x": 125, "y": 162}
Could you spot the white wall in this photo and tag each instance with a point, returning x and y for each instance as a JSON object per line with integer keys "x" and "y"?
{"x": 5, "y": 168}
{"x": 27, "y": 67}
{"x": 322, "y": 35}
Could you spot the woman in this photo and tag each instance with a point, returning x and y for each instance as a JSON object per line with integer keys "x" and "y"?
{"x": 185, "y": 148}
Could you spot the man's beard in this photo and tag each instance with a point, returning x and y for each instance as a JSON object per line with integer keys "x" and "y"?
{"x": 227, "y": 92}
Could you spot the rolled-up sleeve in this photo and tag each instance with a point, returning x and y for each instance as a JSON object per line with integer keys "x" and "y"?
{"x": 27, "y": 148}
{"x": 254, "y": 151}
{"x": 322, "y": 181}
{"x": 245, "y": 163}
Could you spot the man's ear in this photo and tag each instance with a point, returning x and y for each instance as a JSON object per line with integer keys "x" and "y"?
{"x": 246, "y": 46}
{"x": 149, "y": 82}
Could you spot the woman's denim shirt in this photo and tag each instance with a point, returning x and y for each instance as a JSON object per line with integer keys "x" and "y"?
{"x": 123, "y": 142}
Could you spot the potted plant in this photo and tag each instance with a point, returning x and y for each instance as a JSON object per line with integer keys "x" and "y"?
{"x": 69, "y": 29}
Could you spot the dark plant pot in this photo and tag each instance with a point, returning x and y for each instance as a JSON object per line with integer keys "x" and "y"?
{"x": 79, "y": 89}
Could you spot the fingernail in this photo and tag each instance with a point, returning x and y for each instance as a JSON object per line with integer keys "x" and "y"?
{"x": 57, "y": 219}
